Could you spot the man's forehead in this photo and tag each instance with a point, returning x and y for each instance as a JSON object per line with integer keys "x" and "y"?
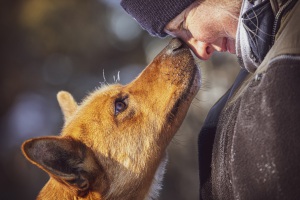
{"x": 174, "y": 24}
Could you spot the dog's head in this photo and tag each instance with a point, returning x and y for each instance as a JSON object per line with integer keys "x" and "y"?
{"x": 112, "y": 143}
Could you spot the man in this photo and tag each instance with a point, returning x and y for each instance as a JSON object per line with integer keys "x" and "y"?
{"x": 249, "y": 146}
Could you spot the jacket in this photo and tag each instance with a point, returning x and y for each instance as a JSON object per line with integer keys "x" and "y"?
{"x": 249, "y": 146}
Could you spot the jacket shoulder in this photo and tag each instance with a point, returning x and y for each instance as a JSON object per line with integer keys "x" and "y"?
{"x": 288, "y": 36}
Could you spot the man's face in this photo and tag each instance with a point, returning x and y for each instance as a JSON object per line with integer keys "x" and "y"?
{"x": 205, "y": 28}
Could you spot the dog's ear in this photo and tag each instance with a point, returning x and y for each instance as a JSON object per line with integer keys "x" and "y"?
{"x": 67, "y": 104}
{"x": 65, "y": 159}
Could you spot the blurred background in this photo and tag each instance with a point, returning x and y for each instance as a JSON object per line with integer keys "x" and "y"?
{"x": 52, "y": 45}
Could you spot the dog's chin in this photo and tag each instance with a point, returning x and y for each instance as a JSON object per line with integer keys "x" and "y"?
{"x": 194, "y": 85}
{"x": 178, "y": 111}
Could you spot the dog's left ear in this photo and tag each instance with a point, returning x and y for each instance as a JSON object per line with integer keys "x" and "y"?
{"x": 65, "y": 159}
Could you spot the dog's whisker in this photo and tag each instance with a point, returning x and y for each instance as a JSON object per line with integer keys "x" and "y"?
{"x": 104, "y": 79}
{"x": 118, "y": 77}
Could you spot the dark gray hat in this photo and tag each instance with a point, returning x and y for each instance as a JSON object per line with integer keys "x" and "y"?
{"x": 154, "y": 15}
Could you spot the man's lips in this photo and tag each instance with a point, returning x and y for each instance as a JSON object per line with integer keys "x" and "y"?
{"x": 226, "y": 46}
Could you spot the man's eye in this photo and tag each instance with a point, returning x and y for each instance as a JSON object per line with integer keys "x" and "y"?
{"x": 120, "y": 106}
{"x": 181, "y": 26}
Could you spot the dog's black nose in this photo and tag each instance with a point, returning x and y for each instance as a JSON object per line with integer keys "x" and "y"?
{"x": 175, "y": 45}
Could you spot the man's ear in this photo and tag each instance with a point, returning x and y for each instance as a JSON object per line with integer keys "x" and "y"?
{"x": 67, "y": 104}
{"x": 65, "y": 159}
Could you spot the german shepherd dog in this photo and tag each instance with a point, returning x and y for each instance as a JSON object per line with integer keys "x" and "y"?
{"x": 112, "y": 145}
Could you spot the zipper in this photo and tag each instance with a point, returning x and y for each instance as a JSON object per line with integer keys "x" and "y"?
{"x": 277, "y": 18}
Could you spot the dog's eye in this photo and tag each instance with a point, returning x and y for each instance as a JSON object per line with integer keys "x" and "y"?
{"x": 120, "y": 106}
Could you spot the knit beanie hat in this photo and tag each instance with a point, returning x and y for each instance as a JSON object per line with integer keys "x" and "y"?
{"x": 154, "y": 15}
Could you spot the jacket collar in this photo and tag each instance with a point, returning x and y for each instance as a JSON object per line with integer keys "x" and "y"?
{"x": 253, "y": 34}
{"x": 276, "y": 4}
{"x": 258, "y": 25}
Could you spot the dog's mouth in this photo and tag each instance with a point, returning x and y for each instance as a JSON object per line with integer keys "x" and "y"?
{"x": 185, "y": 70}
{"x": 184, "y": 73}
{"x": 186, "y": 96}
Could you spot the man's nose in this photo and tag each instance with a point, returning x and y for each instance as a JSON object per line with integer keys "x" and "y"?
{"x": 201, "y": 49}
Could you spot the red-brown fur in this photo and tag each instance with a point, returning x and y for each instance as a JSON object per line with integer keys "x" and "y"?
{"x": 105, "y": 154}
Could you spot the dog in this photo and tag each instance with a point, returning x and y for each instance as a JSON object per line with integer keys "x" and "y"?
{"x": 113, "y": 145}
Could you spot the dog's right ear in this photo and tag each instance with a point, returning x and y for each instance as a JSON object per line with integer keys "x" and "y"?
{"x": 65, "y": 159}
{"x": 67, "y": 104}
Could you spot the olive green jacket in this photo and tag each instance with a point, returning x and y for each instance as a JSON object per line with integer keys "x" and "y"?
{"x": 256, "y": 149}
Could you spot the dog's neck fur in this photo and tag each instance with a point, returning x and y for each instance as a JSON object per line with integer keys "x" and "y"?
{"x": 157, "y": 180}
